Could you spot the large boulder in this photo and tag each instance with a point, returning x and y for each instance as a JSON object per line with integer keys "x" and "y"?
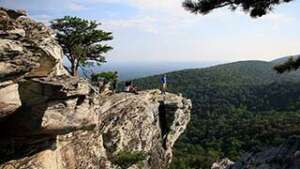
{"x": 27, "y": 48}
{"x": 11, "y": 102}
{"x": 148, "y": 123}
{"x": 223, "y": 164}
{"x": 51, "y": 105}
{"x": 285, "y": 156}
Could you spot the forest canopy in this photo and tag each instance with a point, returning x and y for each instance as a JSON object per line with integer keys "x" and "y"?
{"x": 238, "y": 107}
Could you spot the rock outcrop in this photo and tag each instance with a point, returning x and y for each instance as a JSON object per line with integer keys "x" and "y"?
{"x": 223, "y": 164}
{"x": 49, "y": 120}
{"x": 88, "y": 132}
{"x": 286, "y": 156}
{"x": 27, "y": 49}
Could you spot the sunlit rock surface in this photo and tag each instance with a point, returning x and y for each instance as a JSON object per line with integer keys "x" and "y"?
{"x": 49, "y": 120}
{"x": 11, "y": 102}
{"x": 27, "y": 49}
{"x": 88, "y": 135}
{"x": 222, "y": 164}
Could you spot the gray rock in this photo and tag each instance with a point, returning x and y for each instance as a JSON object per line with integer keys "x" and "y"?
{"x": 51, "y": 106}
{"x": 27, "y": 48}
{"x": 49, "y": 120}
{"x": 123, "y": 122}
{"x": 223, "y": 164}
{"x": 285, "y": 156}
{"x": 11, "y": 102}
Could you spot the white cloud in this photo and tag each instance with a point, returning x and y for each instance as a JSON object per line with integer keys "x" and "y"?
{"x": 146, "y": 24}
{"x": 156, "y": 4}
{"x": 156, "y": 16}
{"x": 278, "y": 19}
{"x": 42, "y": 18}
{"x": 175, "y": 33}
{"x": 75, "y": 6}
{"x": 173, "y": 7}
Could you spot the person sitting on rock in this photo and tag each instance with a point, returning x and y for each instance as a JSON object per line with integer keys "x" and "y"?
{"x": 129, "y": 87}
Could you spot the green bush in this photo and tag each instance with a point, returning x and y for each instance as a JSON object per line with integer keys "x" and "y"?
{"x": 108, "y": 76}
{"x": 125, "y": 159}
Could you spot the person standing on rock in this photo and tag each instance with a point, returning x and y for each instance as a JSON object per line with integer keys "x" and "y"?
{"x": 163, "y": 81}
{"x": 114, "y": 82}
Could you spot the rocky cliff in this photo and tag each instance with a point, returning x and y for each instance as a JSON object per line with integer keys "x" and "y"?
{"x": 49, "y": 120}
{"x": 285, "y": 156}
{"x": 222, "y": 164}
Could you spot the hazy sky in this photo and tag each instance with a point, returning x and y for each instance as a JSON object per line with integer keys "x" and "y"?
{"x": 161, "y": 30}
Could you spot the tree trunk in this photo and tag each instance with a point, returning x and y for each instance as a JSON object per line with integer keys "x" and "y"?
{"x": 74, "y": 69}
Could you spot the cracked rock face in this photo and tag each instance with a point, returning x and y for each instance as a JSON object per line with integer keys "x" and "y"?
{"x": 49, "y": 120}
{"x": 124, "y": 122}
{"x": 286, "y": 156}
{"x": 222, "y": 164}
{"x": 139, "y": 116}
{"x": 27, "y": 49}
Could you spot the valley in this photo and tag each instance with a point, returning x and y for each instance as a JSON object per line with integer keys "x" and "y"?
{"x": 237, "y": 107}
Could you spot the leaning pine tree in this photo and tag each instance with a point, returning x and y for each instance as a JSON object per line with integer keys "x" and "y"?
{"x": 256, "y": 8}
{"x": 81, "y": 41}
{"x": 291, "y": 65}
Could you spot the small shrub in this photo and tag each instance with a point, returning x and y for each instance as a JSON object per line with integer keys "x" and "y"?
{"x": 125, "y": 159}
{"x": 108, "y": 76}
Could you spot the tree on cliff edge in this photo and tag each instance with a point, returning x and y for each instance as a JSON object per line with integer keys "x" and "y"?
{"x": 291, "y": 65}
{"x": 81, "y": 41}
{"x": 256, "y": 8}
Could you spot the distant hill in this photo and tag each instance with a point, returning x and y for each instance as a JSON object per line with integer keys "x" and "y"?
{"x": 244, "y": 73}
{"x": 132, "y": 70}
{"x": 237, "y": 107}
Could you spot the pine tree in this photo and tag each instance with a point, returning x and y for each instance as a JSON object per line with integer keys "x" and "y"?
{"x": 256, "y": 8}
{"x": 291, "y": 65}
{"x": 81, "y": 41}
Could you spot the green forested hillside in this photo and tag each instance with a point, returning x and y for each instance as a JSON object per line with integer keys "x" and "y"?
{"x": 237, "y": 107}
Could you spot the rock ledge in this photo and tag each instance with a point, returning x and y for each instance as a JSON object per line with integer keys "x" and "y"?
{"x": 49, "y": 120}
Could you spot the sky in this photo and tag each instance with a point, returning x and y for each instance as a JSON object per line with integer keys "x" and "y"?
{"x": 162, "y": 31}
